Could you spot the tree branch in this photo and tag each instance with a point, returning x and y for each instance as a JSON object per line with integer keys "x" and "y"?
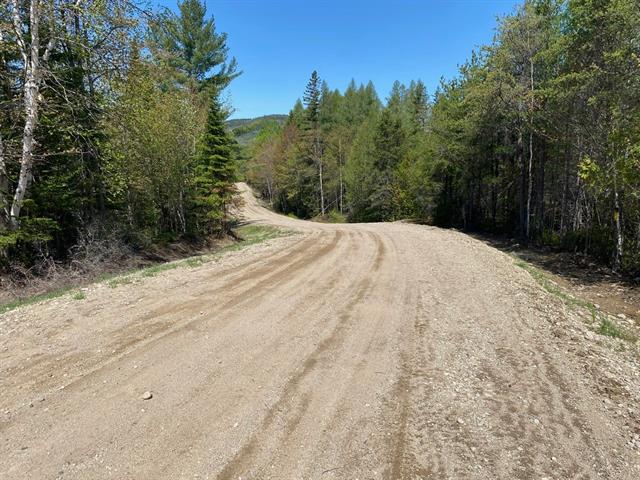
{"x": 18, "y": 30}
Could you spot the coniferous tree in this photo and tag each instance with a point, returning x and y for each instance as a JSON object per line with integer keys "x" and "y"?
{"x": 389, "y": 149}
{"x": 537, "y": 136}
{"x": 419, "y": 106}
{"x": 215, "y": 173}
{"x": 189, "y": 43}
{"x": 312, "y": 99}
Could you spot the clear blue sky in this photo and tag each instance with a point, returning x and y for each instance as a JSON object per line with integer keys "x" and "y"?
{"x": 278, "y": 43}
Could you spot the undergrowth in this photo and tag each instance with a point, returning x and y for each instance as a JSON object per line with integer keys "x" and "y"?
{"x": 247, "y": 235}
{"x": 605, "y": 325}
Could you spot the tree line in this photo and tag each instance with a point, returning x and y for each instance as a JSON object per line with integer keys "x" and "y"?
{"x": 538, "y": 136}
{"x": 112, "y": 122}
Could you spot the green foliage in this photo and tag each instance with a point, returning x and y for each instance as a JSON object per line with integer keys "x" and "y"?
{"x": 248, "y": 235}
{"x": 334, "y": 216}
{"x": 537, "y": 136}
{"x": 245, "y": 131}
{"x": 150, "y": 155}
{"x": 189, "y": 44}
{"x": 80, "y": 295}
{"x": 19, "y": 244}
{"x": 215, "y": 173}
{"x": 122, "y": 105}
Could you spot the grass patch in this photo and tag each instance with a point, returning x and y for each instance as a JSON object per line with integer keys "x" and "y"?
{"x": 553, "y": 288}
{"x": 333, "y": 216}
{"x": 117, "y": 281}
{"x": 79, "y": 295}
{"x": 248, "y": 235}
{"x": 610, "y": 329}
{"x": 156, "y": 269}
{"x": 193, "y": 262}
{"x": 606, "y": 326}
{"x": 21, "y": 302}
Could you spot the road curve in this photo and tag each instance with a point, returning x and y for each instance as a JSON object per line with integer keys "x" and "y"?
{"x": 384, "y": 351}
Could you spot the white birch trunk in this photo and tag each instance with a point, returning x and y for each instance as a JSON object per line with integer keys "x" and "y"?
{"x": 617, "y": 258}
{"x": 31, "y": 91}
{"x": 321, "y": 189}
{"x": 340, "y": 174}
{"x": 4, "y": 188}
{"x": 530, "y": 167}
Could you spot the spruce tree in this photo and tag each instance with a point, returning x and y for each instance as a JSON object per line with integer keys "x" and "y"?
{"x": 189, "y": 43}
{"x": 389, "y": 150}
{"x": 215, "y": 173}
{"x": 419, "y": 107}
{"x": 312, "y": 100}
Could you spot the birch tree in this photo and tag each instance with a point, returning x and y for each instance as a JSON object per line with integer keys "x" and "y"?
{"x": 34, "y": 61}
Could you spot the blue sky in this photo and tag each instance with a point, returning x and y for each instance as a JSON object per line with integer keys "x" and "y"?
{"x": 278, "y": 43}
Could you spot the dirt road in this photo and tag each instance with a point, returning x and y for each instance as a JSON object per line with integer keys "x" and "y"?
{"x": 384, "y": 351}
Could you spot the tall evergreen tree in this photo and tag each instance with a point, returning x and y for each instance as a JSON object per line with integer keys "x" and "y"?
{"x": 215, "y": 173}
{"x": 389, "y": 149}
{"x": 419, "y": 106}
{"x": 312, "y": 100}
{"x": 190, "y": 44}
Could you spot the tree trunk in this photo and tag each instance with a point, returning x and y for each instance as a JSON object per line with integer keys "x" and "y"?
{"x": 522, "y": 185}
{"x": 31, "y": 58}
{"x": 4, "y": 189}
{"x": 318, "y": 158}
{"x": 617, "y": 257}
{"x": 26, "y": 162}
{"x": 530, "y": 167}
{"x": 529, "y": 188}
{"x": 340, "y": 175}
{"x": 565, "y": 188}
{"x": 321, "y": 188}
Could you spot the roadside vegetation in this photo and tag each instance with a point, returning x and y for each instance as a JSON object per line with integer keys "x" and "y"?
{"x": 537, "y": 137}
{"x": 113, "y": 138}
{"x": 246, "y": 236}
{"x": 601, "y": 322}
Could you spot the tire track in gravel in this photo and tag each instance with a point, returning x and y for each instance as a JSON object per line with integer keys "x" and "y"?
{"x": 294, "y": 281}
{"x": 145, "y": 336}
{"x": 272, "y": 421}
{"x": 328, "y": 285}
{"x": 377, "y": 351}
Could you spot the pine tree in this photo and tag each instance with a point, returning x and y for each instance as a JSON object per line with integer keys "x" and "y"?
{"x": 312, "y": 99}
{"x": 215, "y": 173}
{"x": 419, "y": 106}
{"x": 190, "y": 44}
{"x": 389, "y": 149}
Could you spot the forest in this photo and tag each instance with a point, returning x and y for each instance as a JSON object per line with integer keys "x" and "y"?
{"x": 113, "y": 131}
{"x": 537, "y": 137}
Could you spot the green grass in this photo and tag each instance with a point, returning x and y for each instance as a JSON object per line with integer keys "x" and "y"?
{"x": 610, "y": 329}
{"x": 247, "y": 235}
{"x": 155, "y": 269}
{"x": 606, "y": 326}
{"x": 553, "y": 288}
{"x": 80, "y": 295}
{"x": 117, "y": 281}
{"x": 333, "y": 216}
{"x": 21, "y": 302}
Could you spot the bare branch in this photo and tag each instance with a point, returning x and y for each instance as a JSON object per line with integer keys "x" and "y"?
{"x": 18, "y": 30}
{"x": 52, "y": 40}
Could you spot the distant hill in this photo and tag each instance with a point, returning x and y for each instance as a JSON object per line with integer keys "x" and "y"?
{"x": 246, "y": 129}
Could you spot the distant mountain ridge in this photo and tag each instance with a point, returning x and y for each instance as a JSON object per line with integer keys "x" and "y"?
{"x": 246, "y": 129}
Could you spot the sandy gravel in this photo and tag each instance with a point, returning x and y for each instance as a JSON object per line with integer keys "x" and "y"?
{"x": 379, "y": 351}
